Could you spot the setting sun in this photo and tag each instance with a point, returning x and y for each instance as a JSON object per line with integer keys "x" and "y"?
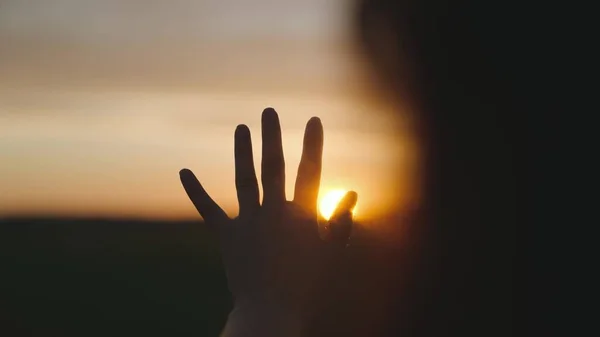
{"x": 329, "y": 202}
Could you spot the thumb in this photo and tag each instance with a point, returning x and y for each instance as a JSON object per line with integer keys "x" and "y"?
{"x": 209, "y": 210}
{"x": 340, "y": 223}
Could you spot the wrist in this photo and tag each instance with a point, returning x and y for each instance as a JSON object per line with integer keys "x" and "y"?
{"x": 263, "y": 316}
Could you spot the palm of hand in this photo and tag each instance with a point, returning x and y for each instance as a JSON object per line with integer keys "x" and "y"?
{"x": 276, "y": 252}
{"x": 273, "y": 251}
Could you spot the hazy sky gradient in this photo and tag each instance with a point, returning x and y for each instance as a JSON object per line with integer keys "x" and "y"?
{"x": 102, "y": 102}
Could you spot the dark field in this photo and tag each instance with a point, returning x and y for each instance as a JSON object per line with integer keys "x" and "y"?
{"x": 140, "y": 278}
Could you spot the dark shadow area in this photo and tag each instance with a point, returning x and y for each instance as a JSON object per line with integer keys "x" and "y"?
{"x": 86, "y": 277}
{"x": 110, "y": 278}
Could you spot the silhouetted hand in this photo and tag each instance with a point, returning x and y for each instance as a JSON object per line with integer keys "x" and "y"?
{"x": 274, "y": 254}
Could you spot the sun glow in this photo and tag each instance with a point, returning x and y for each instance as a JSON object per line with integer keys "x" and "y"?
{"x": 329, "y": 202}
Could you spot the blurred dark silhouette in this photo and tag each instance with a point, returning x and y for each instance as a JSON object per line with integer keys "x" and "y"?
{"x": 463, "y": 67}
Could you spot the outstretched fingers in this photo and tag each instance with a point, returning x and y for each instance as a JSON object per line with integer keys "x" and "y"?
{"x": 209, "y": 210}
{"x": 309, "y": 171}
{"x": 273, "y": 165}
{"x": 245, "y": 175}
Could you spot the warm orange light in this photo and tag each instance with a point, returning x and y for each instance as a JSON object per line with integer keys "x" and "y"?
{"x": 329, "y": 202}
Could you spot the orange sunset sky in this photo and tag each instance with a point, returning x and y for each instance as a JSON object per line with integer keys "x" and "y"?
{"x": 103, "y": 102}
